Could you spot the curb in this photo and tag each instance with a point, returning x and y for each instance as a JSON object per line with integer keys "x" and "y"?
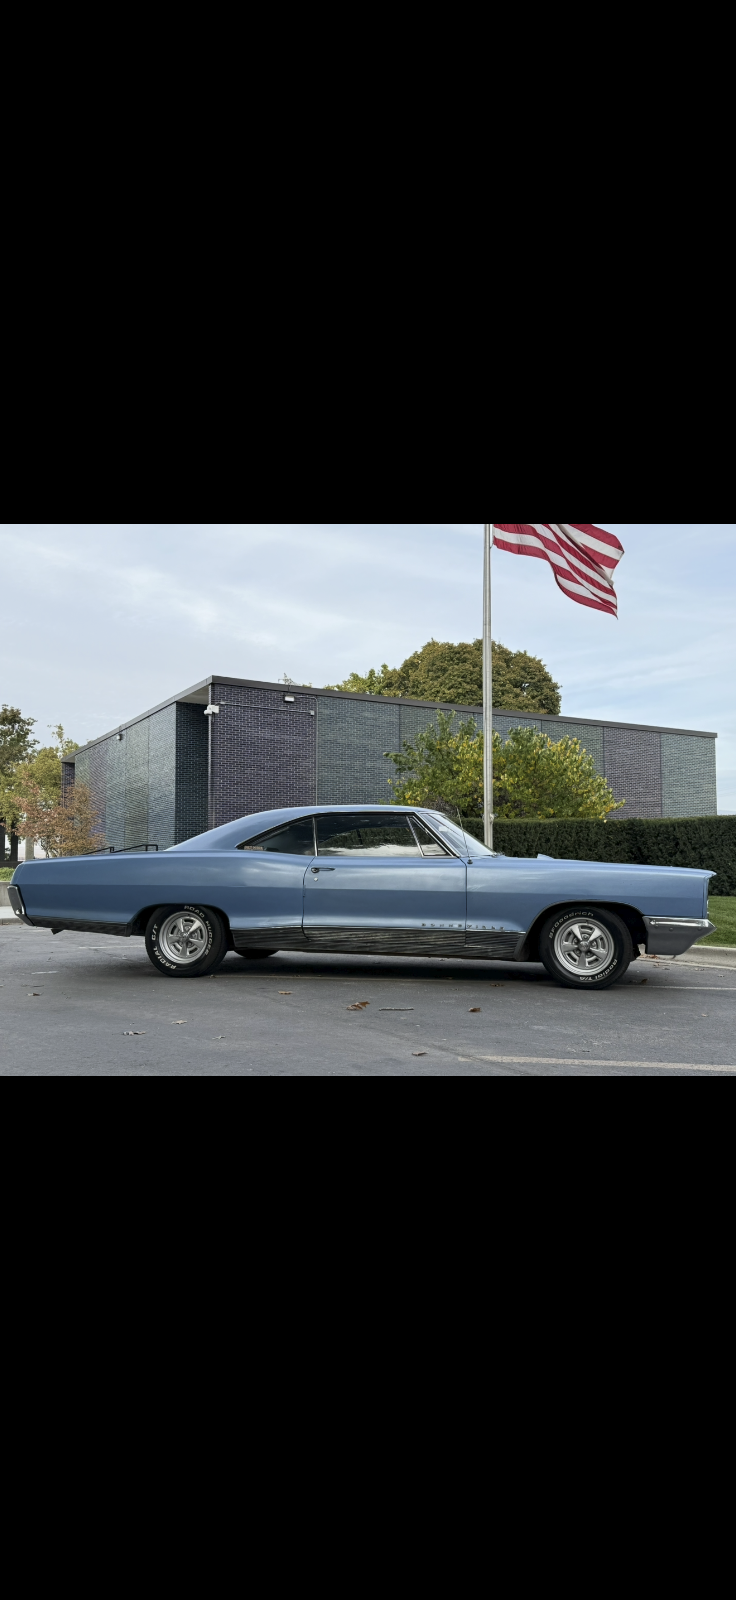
{"x": 723, "y": 956}
{"x": 713, "y": 955}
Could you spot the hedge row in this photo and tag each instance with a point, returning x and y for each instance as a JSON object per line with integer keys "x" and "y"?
{"x": 708, "y": 842}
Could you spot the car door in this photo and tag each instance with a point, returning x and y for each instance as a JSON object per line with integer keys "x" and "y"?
{"x": 372, "y": 874}
{"x": 266, "y": 879}
{"x": 504, "y": 896}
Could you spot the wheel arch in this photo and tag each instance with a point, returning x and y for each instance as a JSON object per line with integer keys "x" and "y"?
{"x": 629, "y": 915}
{"x": 140, "y": 922}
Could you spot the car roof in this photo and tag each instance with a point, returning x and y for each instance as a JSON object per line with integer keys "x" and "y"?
{"x": 231, "y": 834}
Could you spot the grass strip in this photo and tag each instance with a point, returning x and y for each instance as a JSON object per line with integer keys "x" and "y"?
{"x": 722, "y": 911}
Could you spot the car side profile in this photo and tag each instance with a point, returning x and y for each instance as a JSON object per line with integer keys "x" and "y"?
{"x": 367, "y": 880}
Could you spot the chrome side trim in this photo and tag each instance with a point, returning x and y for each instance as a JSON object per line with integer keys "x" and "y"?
{"x": 387, "y": 941}
{"x": 464, "y": 945}
{"x": 679, "y": 922}
{"x": 268, "y": 938}
{"x": 492, "y": 946}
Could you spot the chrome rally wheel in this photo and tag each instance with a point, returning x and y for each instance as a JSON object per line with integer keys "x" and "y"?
{"x": 186, "y": 941}
{"x": 184, "y": 938}
{"x": 583, "y": 947}
{"x": 586, "y": 948}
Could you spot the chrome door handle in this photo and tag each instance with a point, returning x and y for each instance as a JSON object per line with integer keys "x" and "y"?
{"x": 317, "y": 870}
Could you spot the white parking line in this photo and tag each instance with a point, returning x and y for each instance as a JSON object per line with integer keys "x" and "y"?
{"x": 554, "y": 1061}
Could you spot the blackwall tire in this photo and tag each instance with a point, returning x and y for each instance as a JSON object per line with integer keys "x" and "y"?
{"x": 257, "y": 955}
{"x": 585, "y": 948}
{"x": 186, "y": 941}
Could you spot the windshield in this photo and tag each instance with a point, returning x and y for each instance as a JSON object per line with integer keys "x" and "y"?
{"x": 455, "y": 836}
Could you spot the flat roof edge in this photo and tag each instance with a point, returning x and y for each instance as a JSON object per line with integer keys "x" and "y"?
{"x": 346, "y": 694}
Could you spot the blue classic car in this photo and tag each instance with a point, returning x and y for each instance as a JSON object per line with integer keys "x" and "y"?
{"x": 367, "y": 880}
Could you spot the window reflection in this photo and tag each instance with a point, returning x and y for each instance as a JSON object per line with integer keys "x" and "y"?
{"x": 296, "y": 839}
{"x": 429, "y": 845}
{"x": 461, "y": 841}
{"x": 366, "y": 836}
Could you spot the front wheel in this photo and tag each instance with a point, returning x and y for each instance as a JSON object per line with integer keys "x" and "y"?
{"x": 586, "y": 948}
{"x": 186, "y": 941}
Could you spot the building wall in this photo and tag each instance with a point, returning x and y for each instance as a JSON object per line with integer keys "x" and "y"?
{"x": 592, "y": 739}
{"x": 192, "y": 765}
{"x": 150, "y": 787}
{"x": 263, "y": 753}
{"x": 633, "y": 765}
{"x": 352, "y": 739}
{"x": 655, "y": 774}
{"x": 689, "y": 785}
{"x": 177, "y": 772}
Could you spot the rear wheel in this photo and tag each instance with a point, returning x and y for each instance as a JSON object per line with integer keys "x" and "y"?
{"x": 586, "y": 948}
{"x": 186, "y": 941}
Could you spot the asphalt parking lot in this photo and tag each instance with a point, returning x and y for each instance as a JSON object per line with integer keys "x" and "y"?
{"x": 80, "y": 1005}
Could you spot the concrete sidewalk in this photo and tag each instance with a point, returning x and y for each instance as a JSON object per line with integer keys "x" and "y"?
{"x": 6, "y": 913}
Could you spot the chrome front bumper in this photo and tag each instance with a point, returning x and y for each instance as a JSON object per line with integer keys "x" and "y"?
{"x": 672, "y": 936}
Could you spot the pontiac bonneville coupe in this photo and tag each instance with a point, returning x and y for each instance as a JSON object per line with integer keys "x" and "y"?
{"x": 367, "y": 880}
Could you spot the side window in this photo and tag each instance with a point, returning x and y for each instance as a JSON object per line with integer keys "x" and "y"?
{"x": 430, "y": 845}
{"x": 295, "y": 839}
{"x": 366, "y": 836}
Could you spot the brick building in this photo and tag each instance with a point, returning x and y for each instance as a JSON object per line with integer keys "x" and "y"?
{"x": 179, "y": 769}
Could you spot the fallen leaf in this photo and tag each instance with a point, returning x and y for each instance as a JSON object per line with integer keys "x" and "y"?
{"x": 360, "y": 1005}
{"x": 133, "y": 1033}
{"x": 284, "y": 991}
{"x": 419, "y": 1052}
{"x": 473, "y": 1010}
{"x": 219, "y": 1036}
{"x": 182, "y": 1024}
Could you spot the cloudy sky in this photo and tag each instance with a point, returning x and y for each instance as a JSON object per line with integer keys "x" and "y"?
{"x": 102, "y": 620}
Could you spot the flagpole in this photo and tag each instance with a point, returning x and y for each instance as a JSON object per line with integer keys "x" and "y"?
{"x": 487, "y": 689}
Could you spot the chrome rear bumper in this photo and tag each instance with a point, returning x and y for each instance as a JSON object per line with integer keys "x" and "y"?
{"x": 16, "y": 901}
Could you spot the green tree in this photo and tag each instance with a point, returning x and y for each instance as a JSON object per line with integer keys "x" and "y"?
{"x": 371, "y": 682}
{"x": 45, "y": 768}
{"x": 453, "y": 673}
{"x": 16, "y": 746}
{"x": 16, "y": 738}
{"x": 440, "y": 769}
{"x": 64, "y": 828}
{"x": 533, "y": 775}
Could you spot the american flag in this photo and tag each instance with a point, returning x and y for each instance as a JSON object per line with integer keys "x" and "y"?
{"x": 583, "y": 558}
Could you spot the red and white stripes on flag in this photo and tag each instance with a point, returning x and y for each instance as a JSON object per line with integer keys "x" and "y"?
{"x": 583, "y": 558}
